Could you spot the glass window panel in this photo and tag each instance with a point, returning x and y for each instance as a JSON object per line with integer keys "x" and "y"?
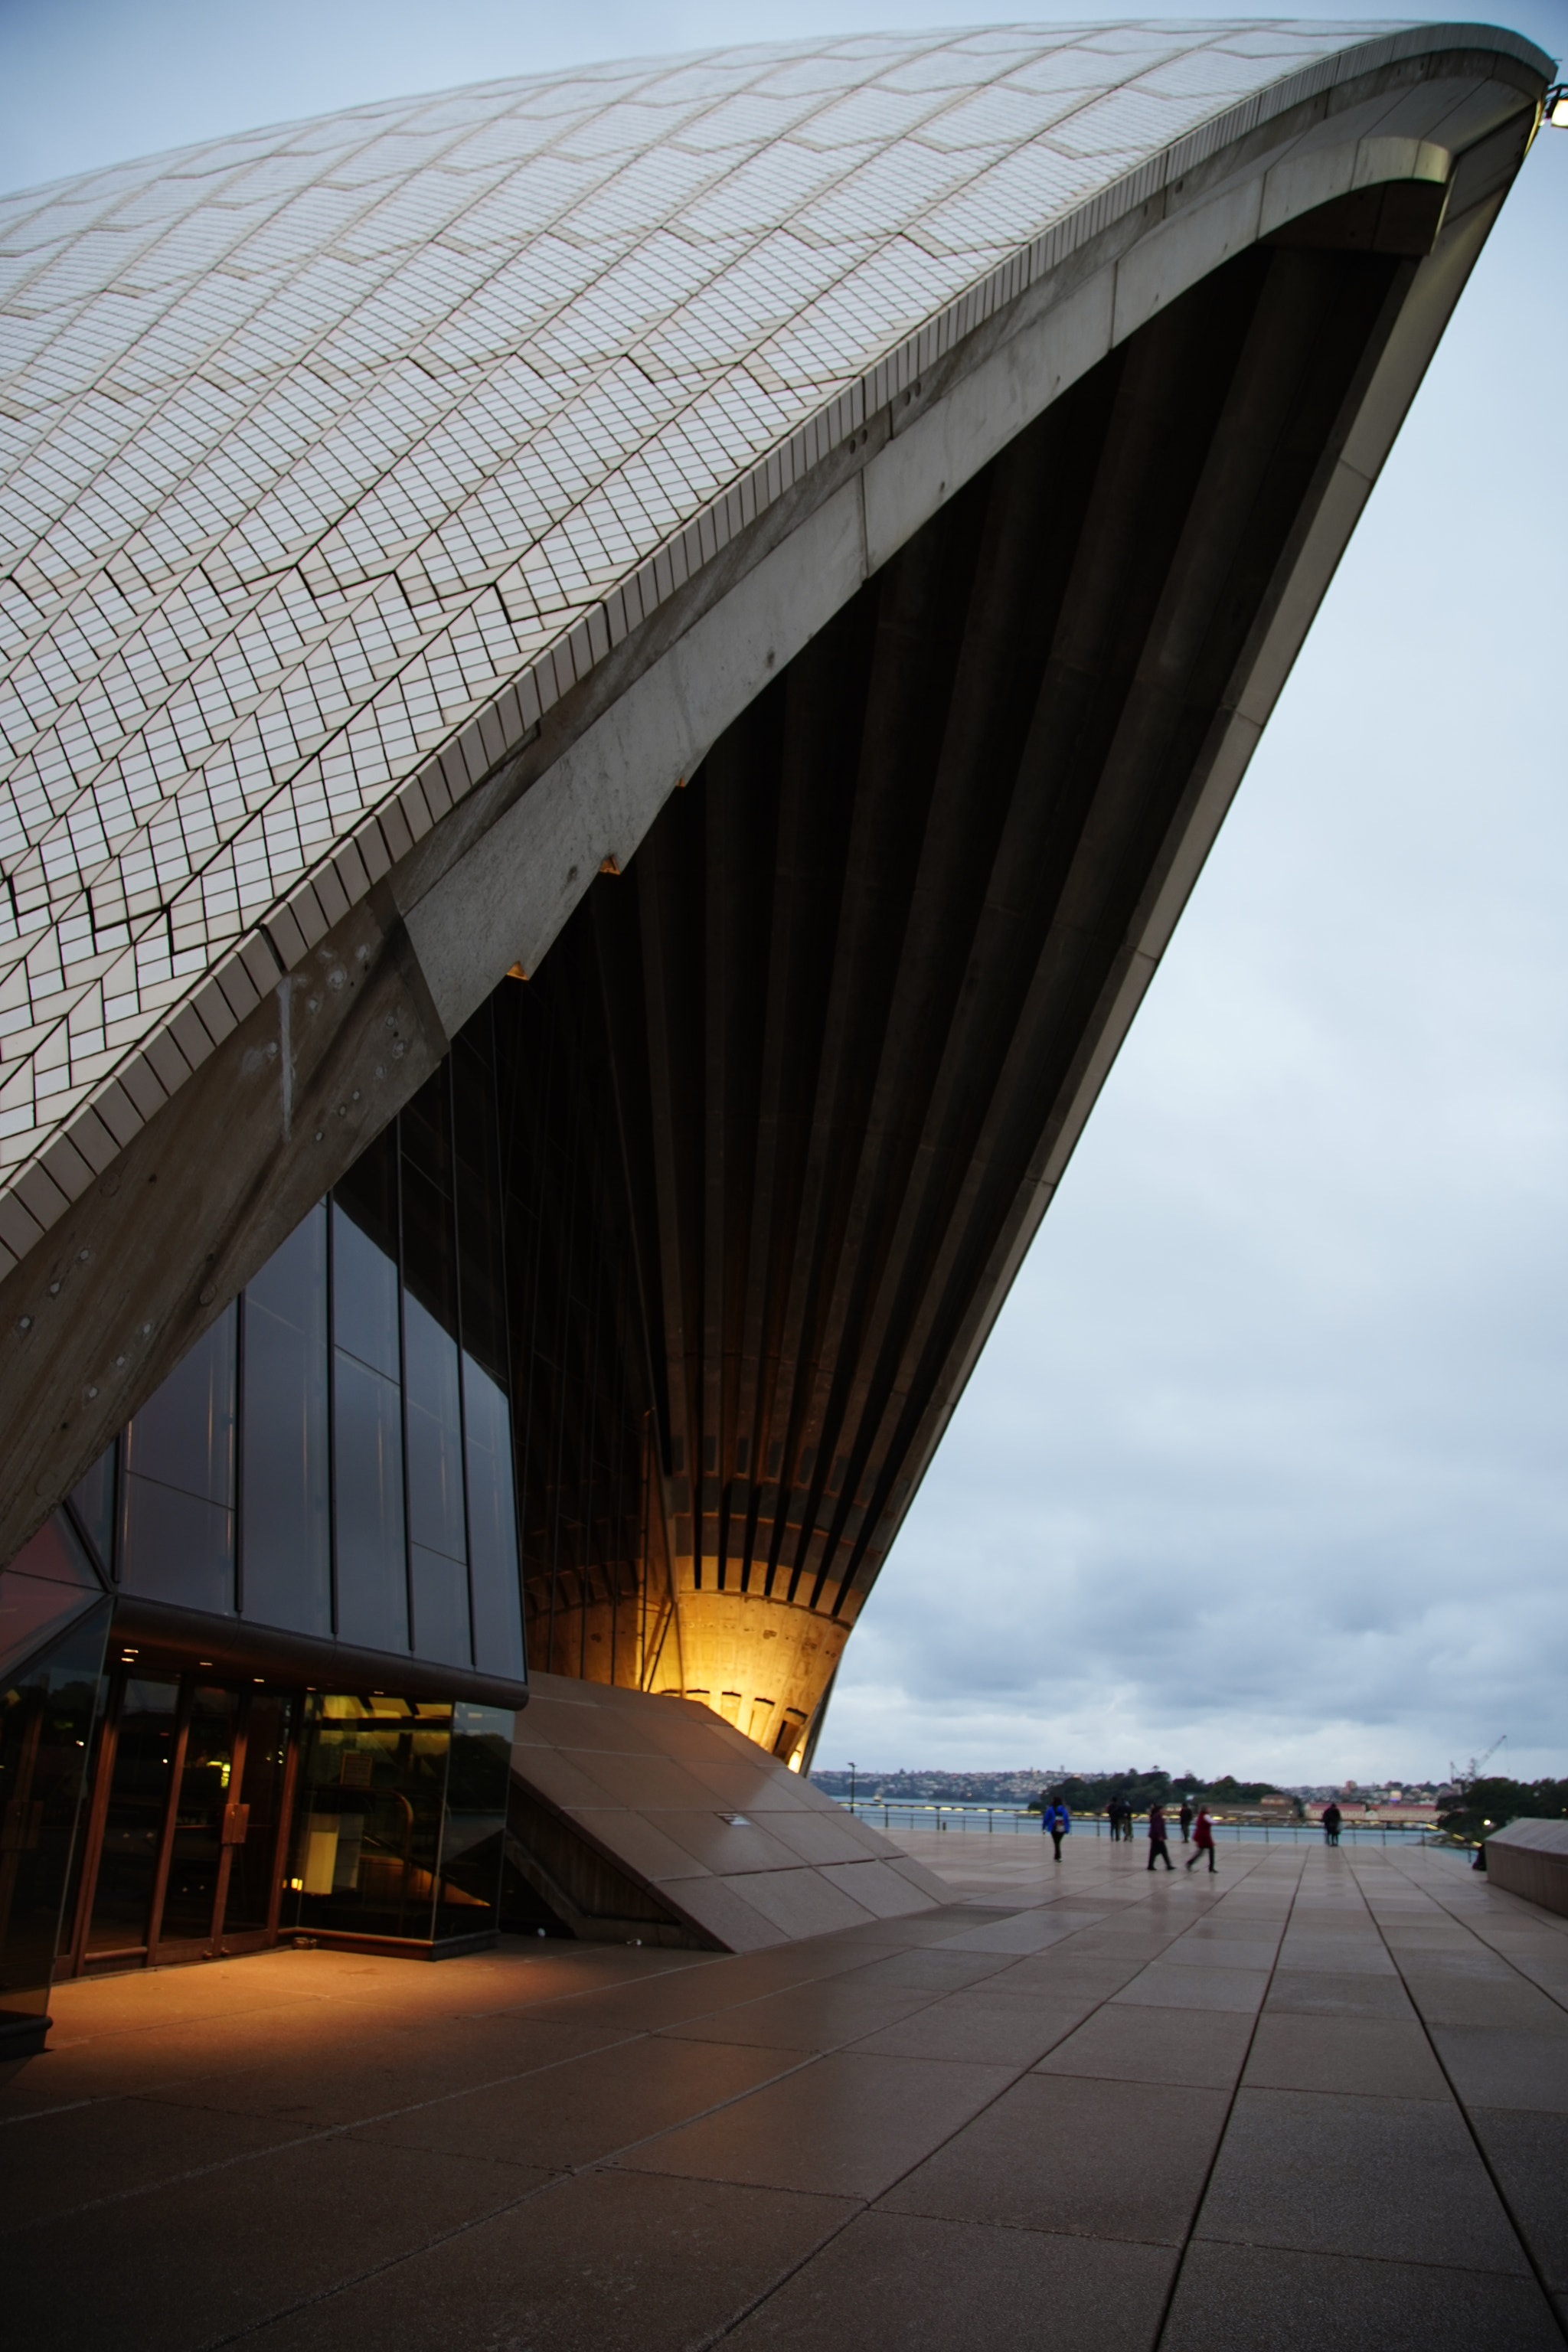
{"x": 364, "y": 1296}
{"x": 184, "y": 1436}
{"x": 364, "y": 1279}
{"x": 367, "y": 1835}
{"x": 176, "y": 1547}
{"x": 45, "y": 1726}
{"x": 474, "y": 1837}
{"x": 50, "y": 1581}
{"x": 492, "y": 1524}
{"x": 285, "y": 1532}
{"x": 133, "y": 1825}
{"x": 93, "y": 1503}
{"x": 429, "y": 1255}
{"x": 477, "y": 1174}
{"x": 372, "y": 1563}
{"x": 435, "y": 1514}
{"x": 197, "y": 1846}
{"x": 250, "y": 1884}
{"x": 440, "y": 1606}
{"x": 33, "y": 1610}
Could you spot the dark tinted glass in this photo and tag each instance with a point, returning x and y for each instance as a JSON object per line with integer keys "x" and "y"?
{"x": 176, "y": 1537}
{"x": 481, "y": 1263}
{"x": 93, "y": 1503}
{"x": 49, "y": 1582}
{"x": 473, "y": 1840}
{"x": 46, "y": 1723}
{"x": 176, "y": 1547}
{"x": 133, "y": 1826}
{"x": 372, "y": 1564}
{"x": 440, "y": 1606}
{"x": 364, "y": 1258}
{"x": 492, "y": 1524}
{"x": 184, "y": 1435}
{"x": 197, "y": 1849}
{"x": 434, "y": 1433}
{"x": 364, "y": 1297}
{"x": 438, "y": 1532}
{"x": 367, "y": 1835}
{"x": 250, "y": 1884}
{"x": 285, "y": 1529}
{"x": 429, "y": 1242}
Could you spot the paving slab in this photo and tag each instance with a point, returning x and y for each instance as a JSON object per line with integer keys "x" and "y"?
{"x": 1321, "y": 2100}
{"x": 1263, "y": 2299}
{"x": 901, "y": 2283}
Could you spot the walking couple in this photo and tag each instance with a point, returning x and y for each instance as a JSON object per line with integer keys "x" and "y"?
{"x": 1160, "y": 1838}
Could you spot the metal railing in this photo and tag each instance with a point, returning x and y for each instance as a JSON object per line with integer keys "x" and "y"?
{"x": 1009, "y": 1820}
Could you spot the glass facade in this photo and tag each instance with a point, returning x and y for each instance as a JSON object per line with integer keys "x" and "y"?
{"x": 429, "y": 1423}
{"x": 45, "y": 1730}
{"x": 400, "y": 1829}
{"x": 334, "y": 1457}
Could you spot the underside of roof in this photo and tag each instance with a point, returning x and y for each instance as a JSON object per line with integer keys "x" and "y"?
{"x": 401, "y": 506}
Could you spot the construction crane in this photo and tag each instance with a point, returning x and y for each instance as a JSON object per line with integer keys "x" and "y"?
{"x": 1477, "y": 1766}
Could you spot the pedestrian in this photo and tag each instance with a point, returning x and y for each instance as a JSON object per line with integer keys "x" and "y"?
{"x": 1061, "y": 1823}
{"x": 1185, "y": 1817}
{"x": 1121, "y": 1818}
{"x": 1332, "y": 1817}
{"x": 1203, "y": 1838}
{"x": 1159, "y": 1837}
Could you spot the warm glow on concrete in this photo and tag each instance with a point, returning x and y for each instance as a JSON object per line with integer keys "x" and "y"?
{"x": 762, "y": 1665}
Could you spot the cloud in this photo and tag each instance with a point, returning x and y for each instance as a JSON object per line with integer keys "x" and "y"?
{"x": 1263, "y": 1469}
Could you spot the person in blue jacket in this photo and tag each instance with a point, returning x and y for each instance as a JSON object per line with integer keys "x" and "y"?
{"x": 1061, "y": 1823}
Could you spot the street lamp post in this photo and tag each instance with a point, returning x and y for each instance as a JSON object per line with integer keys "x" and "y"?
{"x": 851, "y": 1788}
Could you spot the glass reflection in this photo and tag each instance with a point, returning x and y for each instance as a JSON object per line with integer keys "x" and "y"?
{"x": 46, "y": 1725}
{"x": 492, "y": 1524}
{"x": 50, "y": 1581}
{"x": 368, "y": 1827}
{"x": 474, "y": 1835}
{"x": 196, "y": 1850}
{"x": 253, "y": 1858}
{"x": 371, "y": 1492}
{"x": 284, "y": 1547}
{"x": 176, "y": 1537}
{"x": 141, "y": 1744}
{"x": 93, "y": 1503}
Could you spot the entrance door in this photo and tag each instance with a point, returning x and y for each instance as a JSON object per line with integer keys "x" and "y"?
{"x": 182, "y": 1856}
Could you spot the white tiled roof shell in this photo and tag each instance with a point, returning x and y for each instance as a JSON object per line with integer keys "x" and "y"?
{"x": 322, "y": 442}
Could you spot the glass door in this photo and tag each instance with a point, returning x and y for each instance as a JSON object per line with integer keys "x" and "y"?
{"x": 184, "y": 1847}
{"x": 129, "y": 1818}
{"x": 263, "y": 1786}
{"x": 195, "y": 1861}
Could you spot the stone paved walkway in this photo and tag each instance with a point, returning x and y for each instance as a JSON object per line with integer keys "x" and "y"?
{"x": 1318, "y": 2101}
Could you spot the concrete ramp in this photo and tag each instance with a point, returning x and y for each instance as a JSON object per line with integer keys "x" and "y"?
{"x": 636, "y": 1817}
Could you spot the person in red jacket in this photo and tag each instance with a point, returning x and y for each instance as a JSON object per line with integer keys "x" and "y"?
{"x": 1203, "y": 1838}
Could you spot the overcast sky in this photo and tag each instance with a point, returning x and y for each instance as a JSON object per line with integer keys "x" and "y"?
{"x": 1264, "y": 1468}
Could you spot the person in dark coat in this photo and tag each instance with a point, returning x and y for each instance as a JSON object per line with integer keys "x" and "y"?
{"x": 1159, "y": 1838}
{"x": 1332, "y": 1817}
{"x": 1202, "y": 1839}
{"x": 1186, "y": 1817}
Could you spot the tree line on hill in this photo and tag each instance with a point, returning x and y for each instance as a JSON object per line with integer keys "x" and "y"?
{"x": 1141, "y": 1789}
{"x": 1492, "y": 1805}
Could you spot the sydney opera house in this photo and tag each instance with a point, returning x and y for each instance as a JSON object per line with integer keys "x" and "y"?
{"x": 613, "y": 685}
